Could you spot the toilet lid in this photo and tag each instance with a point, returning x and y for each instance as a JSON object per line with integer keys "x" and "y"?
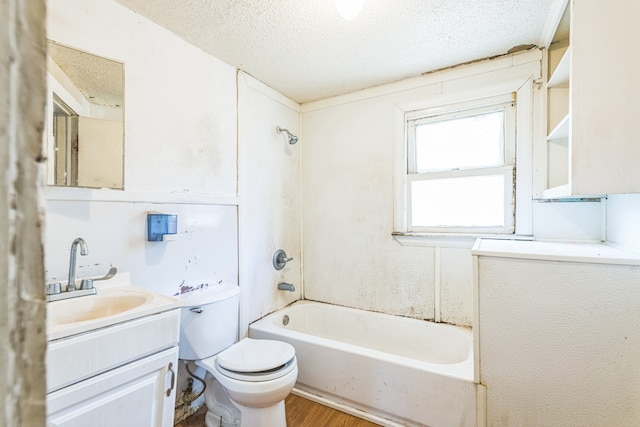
{"x": 252, "y": 355}
{"x": 269, "y": 375}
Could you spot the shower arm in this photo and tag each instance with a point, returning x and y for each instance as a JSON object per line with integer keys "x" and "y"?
{"x": 292, "y": 138}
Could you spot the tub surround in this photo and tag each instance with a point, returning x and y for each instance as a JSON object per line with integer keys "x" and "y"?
{"x": 269, "y": 211}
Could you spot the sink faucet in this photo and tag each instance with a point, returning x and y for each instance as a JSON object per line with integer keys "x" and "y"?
{"x": 84, "y": 250}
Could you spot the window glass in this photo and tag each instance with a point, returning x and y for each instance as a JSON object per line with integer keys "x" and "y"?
{"x": 461, "y": 168}
{"x": 460, "y": 143}
{"x": 473, "y": 201}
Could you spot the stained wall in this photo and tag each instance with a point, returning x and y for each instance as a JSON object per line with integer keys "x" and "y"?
{"x": 22, "y": 315}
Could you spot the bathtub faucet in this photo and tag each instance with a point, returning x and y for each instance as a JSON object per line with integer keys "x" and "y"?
{"x": 286, "y": 287}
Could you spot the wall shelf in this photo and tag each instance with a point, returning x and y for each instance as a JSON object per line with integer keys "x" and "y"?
{"x": 557, "y": 192}
{"x": 561, "y": 131}
{"x": 560, "y": 76}
{"x": 592, "y": 122}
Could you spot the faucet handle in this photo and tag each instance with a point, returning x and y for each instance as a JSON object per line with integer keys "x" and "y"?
{"x": 54, "y": 288}
{"x": 86, "y": 284}
{"x": 280, "y": 259}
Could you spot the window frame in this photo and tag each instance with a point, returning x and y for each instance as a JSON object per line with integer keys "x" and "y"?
{"x": 521, "y": 74}
{"x": 506, "y": 103}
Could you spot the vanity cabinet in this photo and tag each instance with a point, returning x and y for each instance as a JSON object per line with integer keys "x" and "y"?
{"x": 120, "y": 375}
{"x": 132, "y": 395}
{"x": 593, "y": 124}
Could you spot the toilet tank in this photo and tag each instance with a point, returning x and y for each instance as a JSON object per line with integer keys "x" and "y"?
{"x": 209, "y": 322}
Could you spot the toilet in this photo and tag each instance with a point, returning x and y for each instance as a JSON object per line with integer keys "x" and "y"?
{"x": 247, "y": 380}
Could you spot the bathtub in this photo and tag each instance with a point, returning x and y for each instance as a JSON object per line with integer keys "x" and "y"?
{"x": 392, "y": 370}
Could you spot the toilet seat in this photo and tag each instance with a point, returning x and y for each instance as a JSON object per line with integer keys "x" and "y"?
{"x": 256, "y": 360}
{"x": 269, "y": 375}
{"x": 254, "y": 355}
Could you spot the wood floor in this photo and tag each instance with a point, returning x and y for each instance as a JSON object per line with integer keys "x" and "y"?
{"x": 300, "y": 413}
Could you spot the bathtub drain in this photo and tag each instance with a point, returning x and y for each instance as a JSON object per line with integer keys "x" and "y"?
{"x": 285, "y": 320}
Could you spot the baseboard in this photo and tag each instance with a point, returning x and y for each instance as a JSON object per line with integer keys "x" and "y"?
{"x": 346, "y": 409}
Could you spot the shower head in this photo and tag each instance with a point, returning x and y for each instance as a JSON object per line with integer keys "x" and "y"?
{"x": 292, "y": 138}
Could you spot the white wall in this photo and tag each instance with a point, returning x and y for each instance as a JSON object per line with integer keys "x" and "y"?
{"x": 203, "y": 252}
{"x": 269, "y": 190}
{"x": 180, "y": 103}
{"x": 350, "y": 257}
{"x": 623, "y": 220}
{"x": 569, "y": 221}
{"x": 180, "y": 156}
{"x": 559, "y": 342}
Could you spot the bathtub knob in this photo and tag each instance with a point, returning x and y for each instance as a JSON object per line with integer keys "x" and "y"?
{"x": 280, "y": 259}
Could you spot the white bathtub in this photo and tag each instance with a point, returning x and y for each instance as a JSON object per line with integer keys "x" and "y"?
{"x": 392, "y": 370}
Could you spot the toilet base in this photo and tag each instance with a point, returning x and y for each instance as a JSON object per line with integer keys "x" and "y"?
{"x": 224, "y": 412}
{"x": 221, "y": 411}
{"x": 216, "y": 420}
{"x": 272, "y": 416}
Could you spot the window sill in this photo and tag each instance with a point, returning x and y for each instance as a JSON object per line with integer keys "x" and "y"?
{"x": 450, "y": 240}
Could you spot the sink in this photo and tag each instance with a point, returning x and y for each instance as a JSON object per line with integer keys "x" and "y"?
{"x": 92, "y": 307}
{"x": 111, "y": 305}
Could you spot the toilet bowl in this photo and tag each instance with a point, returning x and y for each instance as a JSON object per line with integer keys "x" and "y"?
{"x": 258, "y": 392}
{"x": 247, "y": 381}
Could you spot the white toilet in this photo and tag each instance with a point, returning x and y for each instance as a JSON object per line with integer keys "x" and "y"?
{"x": 247, "y": 381}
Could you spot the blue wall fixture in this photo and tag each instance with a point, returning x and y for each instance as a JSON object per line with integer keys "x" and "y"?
{"x": 160, "y": 224}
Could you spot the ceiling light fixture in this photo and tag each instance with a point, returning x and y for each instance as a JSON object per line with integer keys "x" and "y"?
{"x": 349, "y": 9}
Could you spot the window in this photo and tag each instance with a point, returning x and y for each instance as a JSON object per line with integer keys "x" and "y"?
{"x": 65, "y": 140}
{"x": 460, "y": 171}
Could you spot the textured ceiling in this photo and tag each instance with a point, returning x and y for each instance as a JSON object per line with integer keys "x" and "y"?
{"x": 306, "y": 51}
{"x": 100, "y": 80}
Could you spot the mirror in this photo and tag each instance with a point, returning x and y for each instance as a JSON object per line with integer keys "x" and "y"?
{"x": 85, "y": 137}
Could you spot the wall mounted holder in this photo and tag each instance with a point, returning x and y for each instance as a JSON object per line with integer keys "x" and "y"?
{"x": 159, "y": 225}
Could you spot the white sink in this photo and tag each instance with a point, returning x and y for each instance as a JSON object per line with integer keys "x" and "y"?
{"x": 112, "y": 304}
{"x": 91, "y": 307}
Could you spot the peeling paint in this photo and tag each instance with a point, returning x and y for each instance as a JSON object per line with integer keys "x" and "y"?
{"x": 22, "y": 318}
{"x": 184, "y": 288}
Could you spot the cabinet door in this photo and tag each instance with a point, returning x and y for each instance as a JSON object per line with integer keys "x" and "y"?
{"x": 133, "y": 395}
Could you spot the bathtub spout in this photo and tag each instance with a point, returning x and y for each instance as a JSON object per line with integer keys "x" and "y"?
{"x": 286, "y": 287}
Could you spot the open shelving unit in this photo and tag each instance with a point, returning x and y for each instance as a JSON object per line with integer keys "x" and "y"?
{"x": 593, "y": 126}
{"x": 558, "y": 111}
